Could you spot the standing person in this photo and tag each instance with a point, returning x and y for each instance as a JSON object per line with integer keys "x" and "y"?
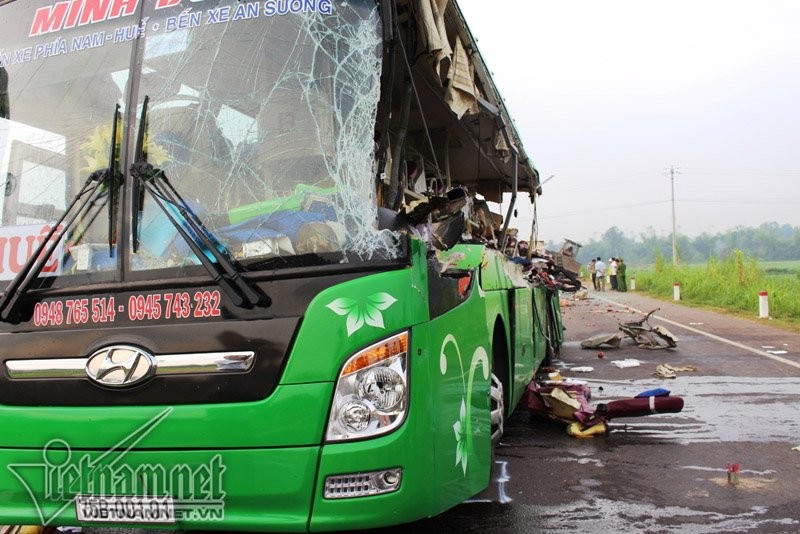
{"x": 612, "y": 273}
{"x": 600, "y": 268}
{"x": 622, "y": 282}
{"x": 593, "y": 273}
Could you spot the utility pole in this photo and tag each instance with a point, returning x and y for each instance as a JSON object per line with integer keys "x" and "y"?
{"x": 672, "y": 172}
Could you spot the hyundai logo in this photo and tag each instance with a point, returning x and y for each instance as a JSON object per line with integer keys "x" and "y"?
{"x": 120, "y": 366}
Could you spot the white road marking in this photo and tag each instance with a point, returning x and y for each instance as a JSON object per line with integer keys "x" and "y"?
{"x": 708, "y": 334}
{"x": 501, "y": 480}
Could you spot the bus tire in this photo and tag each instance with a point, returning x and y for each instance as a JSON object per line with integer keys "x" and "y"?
{"x": 499, "y": 388}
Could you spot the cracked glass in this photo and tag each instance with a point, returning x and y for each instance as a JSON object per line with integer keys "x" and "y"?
{"x": 261, "y": 116}
{"x": 263, "y": 122}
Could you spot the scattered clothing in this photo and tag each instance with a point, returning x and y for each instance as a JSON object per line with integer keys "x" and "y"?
{"x": 668, "y": 371}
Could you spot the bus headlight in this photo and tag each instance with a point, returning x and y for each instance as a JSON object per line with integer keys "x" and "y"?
{"x": 355, "y": 416}
{"x": 382, "y": 386}
{"x": 371, "y": 396}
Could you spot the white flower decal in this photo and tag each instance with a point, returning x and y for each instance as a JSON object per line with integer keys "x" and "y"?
{"x": 459, "y": 427}
{"x": 463, "y": 425}
{"x": 360, "y": 313}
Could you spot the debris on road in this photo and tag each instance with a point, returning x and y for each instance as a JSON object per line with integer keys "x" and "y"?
{"x": 576, "y": 430}
{"x": 733, "y": 473}
{"x": 657, "y": 392}
{"x": 568, "y": 403}
{"x": 555, "y": 376}
{"x": 565, "y": 382}
{"x": 668, "y": 371}
{"x": 610, "y": 340}
{"x": 627, "y": 362}
{"x": 582, "y": 369}
{"x": 644, "y": 335}
{"x": 649, "y": 337}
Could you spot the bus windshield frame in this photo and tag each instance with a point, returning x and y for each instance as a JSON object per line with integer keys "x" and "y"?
{"x": 261, "y": 121}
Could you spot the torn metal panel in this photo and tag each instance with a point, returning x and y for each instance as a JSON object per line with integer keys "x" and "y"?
{"x": 461, "y": 94}
{"x": 649, "y": 337}
{"x": 482, "y": 137}
{"x": 430, "y": 17}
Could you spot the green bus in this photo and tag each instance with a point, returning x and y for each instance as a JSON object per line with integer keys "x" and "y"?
{"x": 250, "y": 280}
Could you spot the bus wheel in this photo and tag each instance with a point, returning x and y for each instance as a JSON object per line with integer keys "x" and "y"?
{"x": 498, "y": 409}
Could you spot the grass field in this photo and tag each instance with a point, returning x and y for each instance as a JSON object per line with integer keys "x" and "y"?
{"x": 732, "y": 284}
{"x": 780, "y": 268}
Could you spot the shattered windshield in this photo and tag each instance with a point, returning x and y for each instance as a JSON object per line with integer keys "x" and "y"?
{"x": 261, "y": 118}
{"x": 263, "y": 122}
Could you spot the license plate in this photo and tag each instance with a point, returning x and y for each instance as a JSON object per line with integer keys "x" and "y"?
{"x": 124, "y": 509}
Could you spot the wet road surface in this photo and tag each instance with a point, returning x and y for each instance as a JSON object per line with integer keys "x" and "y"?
{"x": 662, "y": 473}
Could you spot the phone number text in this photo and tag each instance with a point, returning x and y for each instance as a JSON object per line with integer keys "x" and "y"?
{"x": 151, "y": 307}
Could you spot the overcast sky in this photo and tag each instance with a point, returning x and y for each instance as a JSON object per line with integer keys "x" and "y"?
{"x": 607, "y": 96}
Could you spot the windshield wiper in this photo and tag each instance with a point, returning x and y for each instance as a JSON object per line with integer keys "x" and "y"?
{"x": 154, "y": 181}
{"x": 85, "y": 198}
{"x": 138, "y": 193}
{"x": 112, "y": 185}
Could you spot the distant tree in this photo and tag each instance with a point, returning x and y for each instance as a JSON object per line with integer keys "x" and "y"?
{"x": 614, "y": 239}
{"x": 704, "y": 245}
{"x": 768, "y": 241}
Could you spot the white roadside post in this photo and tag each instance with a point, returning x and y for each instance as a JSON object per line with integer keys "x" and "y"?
{"x": 676, "y": 291}
{"x": 633, "y": 283}
{"x": 763, "y": 305}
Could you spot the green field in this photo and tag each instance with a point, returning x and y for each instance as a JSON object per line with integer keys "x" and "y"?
{"x": 780, "y": 268}
{"x": 731, "y": 284}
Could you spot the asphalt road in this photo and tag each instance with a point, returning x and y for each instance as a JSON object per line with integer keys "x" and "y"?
{"x": 661, "y": 473}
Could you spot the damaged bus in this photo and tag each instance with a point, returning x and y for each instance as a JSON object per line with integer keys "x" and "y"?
{"x": 249, "y": 277}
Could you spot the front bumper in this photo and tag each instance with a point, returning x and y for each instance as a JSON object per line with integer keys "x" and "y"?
{"x": 268, "y": 489}
{"x": 256, "y": 488}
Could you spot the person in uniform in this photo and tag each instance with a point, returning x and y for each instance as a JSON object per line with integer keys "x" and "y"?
{"x": 622, "y": 282}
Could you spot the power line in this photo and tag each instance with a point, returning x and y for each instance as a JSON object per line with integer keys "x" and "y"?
{"x": 743, "y": 172}
{"x": 746, "y": 201}
{"x": 599, "y": 210}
